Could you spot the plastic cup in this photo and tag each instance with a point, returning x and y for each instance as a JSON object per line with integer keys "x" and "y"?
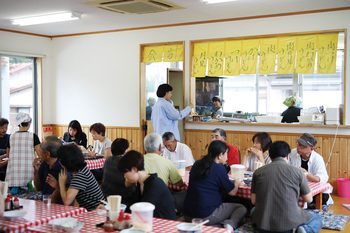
{"x": 237, "y": 171}
{"x": 113, "y": 215}
{"x": 122, "y": 207}
{"x": 180, "y": 165}
{"x": 47, "y": 199}
{"x": 197, "y": 221}
{"x": 114, "y": 202}
{"x": 142, "y": 216}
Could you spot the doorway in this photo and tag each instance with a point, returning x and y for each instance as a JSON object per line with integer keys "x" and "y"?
{"x": 175, "y": 79}
{"x": 18, "y": 89}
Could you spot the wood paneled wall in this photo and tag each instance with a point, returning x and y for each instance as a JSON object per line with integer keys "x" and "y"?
{"x": 133, "y": 134}
{"x": 339, "y": 164}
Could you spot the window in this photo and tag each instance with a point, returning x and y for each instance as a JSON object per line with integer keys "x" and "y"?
{"x": 264, "y": 94}
{"x": 17, "y": 89}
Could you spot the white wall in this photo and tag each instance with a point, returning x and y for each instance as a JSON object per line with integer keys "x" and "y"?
{"x": 99, "y": 74}
{"x": 19, "y": 44}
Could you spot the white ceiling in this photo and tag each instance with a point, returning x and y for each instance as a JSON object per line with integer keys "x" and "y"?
{"x": 96, "y": 19}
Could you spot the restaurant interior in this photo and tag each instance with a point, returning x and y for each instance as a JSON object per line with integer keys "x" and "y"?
{"x": 105, "y": 63}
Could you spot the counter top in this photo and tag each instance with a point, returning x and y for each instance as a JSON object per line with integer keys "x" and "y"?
{"x": 270, "y": 127}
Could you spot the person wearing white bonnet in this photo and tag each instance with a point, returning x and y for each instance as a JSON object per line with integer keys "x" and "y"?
{"x": 23, "y": 145}
{"x": 23, "y": 118}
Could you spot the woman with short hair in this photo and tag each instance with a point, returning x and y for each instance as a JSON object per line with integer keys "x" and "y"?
{"x": 164, "y": 115}
{"x": 259, "y": 152}
{"x": 102, "y": 144}
{"x": 150, "y": 188}
{"x": 83, "y": 186}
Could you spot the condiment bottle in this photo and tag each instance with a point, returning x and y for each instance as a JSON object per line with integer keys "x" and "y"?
{"x": 16, "y": 203}
{"x": 8, "y": 203}
{"x": 127, "y": 221}
{"x": 108, "y": 225}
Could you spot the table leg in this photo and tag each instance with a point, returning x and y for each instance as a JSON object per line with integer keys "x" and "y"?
{"x": 318, "y": 201}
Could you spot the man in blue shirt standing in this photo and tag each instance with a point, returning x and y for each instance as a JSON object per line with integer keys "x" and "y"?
{"x": 165, "y": 115}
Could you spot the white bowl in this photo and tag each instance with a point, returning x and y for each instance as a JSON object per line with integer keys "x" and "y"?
{"x": 188, "y": 228}
{"x": 131, "y": 230}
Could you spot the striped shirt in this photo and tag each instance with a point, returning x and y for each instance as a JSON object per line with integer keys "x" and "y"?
{"x": 90, "y": 193}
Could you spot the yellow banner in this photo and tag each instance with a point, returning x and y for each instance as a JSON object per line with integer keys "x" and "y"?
{"x": 327, "y": 53}
{"x": 249, "y": 56}
{"x": 286, "y": 55}
{"x": 216, "y": 58}
{"x": 232, "y": 57}
{"x": 268, "y": 51}
{"x": 152, "y": 54}
{"x": 199, "y": 65}
{"x": 173, "y": 53}
{"x": 306, "y": 53}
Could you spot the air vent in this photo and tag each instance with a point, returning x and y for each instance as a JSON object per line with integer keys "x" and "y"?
{"x": 138, "y": 6}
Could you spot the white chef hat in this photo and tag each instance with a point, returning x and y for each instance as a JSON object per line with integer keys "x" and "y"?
{"x": 23, "y": 118}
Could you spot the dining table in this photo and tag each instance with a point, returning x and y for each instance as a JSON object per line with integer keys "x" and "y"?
{"x": 35, "y": 213}
{"x": 244, "y": 190}
{"x": 95, "y": 163}
{"x": 90, "y": 219}
{"x": 317, "y": 188}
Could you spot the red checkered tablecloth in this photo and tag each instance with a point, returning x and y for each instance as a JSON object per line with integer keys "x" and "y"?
{"x": 37, "y": 213}
{"x": 95, "y": 163}
{"x": 316, "y": 188}
{"x": 244, "y": 191}
{"x": 91, "y": 218}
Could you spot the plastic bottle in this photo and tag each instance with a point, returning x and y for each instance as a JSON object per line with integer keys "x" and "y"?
{"x": 127, "y": 221}
{"x": 8, "y": 203}
{"x": 108, "y": 225}
{"x": 15, "y": 203}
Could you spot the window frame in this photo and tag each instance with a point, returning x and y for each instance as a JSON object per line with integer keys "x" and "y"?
{"x": 343, "y": 72}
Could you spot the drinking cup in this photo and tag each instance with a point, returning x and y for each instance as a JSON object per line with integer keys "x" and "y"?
{"x": 142, "y": 216}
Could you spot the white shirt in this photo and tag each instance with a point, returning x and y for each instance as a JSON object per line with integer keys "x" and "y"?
{"x": 182, "y": 152}
{"x": 100, "y": 147}
{"x": 316, "y": 164}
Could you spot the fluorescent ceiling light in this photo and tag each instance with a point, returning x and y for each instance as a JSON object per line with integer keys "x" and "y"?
{"x": 217, "y": 1}
{"x": 49, "y": 18}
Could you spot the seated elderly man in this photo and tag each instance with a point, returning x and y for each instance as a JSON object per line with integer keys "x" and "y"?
{"x": 276, "y": 190}
{"x": 176, "y": 151}
{"x": 47, "y": 168}
{"x": 165, "y": 169}
{"x": 154, "y": 163}
{"x": 311, "y": 162}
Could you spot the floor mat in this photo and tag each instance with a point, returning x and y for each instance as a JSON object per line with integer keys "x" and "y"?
{"x": 329, "y": 221}
{"x": 332, "y": 221}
